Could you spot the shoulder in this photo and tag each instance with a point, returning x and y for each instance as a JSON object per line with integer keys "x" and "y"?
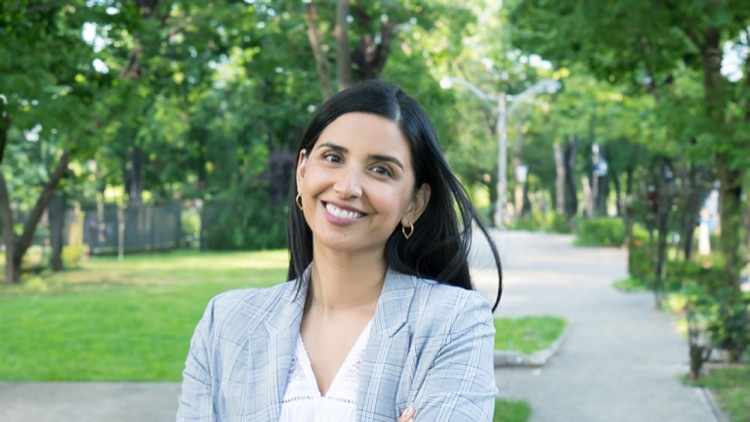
{"x": 448, "y": 308}
{"x": 246, "y": 308}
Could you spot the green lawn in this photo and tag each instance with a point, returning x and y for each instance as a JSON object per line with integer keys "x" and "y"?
{"x": 123, "y": 321}
{"x": 528, "y": 334}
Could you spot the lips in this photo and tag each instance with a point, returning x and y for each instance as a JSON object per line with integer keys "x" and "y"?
{"x": 342, "y": 213}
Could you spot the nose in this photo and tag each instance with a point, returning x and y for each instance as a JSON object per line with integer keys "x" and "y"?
{"x": 348, "y": 185}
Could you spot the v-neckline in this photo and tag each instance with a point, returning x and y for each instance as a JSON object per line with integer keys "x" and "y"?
{"x": 306, "y": 363}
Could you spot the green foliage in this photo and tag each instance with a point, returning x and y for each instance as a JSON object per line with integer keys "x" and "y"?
{"x": 512, "y": 411}
{"x": 527, "y": 334}
{"x": 640, "y": 264}
{"x": 248, "y": 223}
{"x": 724, "y": 320}
{"x": 599, "y": 231}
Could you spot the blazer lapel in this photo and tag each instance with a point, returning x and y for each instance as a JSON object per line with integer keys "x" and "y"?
{"x": 386, "y": 352}
{"x": 278, "y": 346}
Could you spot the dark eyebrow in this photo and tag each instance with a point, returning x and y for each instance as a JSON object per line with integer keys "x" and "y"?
{"x": 375, "y": 157}
{"x": 388, "y": 158}
{"x": 335, "y": 147}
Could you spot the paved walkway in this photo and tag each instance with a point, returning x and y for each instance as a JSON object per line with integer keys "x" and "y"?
{"x": 620, "y": 361}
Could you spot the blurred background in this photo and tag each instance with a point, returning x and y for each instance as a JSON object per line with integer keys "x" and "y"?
{"x": 129, "y": 129}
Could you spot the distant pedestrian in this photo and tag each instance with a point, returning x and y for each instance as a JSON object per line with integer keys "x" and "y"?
{"x": 379, "y": 320}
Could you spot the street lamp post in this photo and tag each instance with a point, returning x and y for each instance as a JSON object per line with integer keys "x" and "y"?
{"x": 544, "y": 85}
{"x": 502, "y": 161}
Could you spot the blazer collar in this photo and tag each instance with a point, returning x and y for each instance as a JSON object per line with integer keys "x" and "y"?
{"x": 290, "y": 307}
{"x": 394, "y": 303}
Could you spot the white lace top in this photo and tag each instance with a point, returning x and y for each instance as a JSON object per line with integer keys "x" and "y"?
{"x": 302, "y": 399}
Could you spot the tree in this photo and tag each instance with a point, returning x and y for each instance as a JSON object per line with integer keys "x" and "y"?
{"x": 46, "y": 99}
{"x": 654, "y": 44}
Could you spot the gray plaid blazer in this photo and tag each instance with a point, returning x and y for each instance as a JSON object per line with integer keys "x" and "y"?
{"x": 430, "y": 348}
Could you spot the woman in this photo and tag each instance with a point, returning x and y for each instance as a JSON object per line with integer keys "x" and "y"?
{"x": 379, "y": 321}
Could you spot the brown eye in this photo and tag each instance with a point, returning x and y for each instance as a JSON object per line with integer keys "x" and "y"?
{"x": 382, "y": 170}
{"x": 331, "y": 157}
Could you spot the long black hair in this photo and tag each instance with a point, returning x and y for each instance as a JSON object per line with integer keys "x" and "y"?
{"x": 439, "y": 247}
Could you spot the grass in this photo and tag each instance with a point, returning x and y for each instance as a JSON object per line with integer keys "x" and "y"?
{"x": 731, "y": 386}
{"x": 528, "y": 334}
{"x": 120, "y": 321}
{"x": 511, "y": 411}
{"x": 631, "y": 285}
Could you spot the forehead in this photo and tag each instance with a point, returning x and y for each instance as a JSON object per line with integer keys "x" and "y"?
{"x": 367, "y": 132}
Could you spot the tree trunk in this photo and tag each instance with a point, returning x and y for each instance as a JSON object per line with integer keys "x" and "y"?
{"x": 588, "y": 200}
{"x": 602, "y": 192}
{"x": 134, "y": 177}
{"x": 628, "y": 208}
{"x": 560, "y": 180}
{"x": 8, "y": 235}
{"x": 695, "y": 190}
{"x": 22, "y": 244}
{"x": 56, "y": 213}
{"x": 493, "y": 198}
{"x": 313, "y": 35}
{"x": 571, "y": 193}
{"x": 4, "y": 126}
{"x": 5, "y": 212}
{"x": 343, "y": 50}
{"x": 662, "y": 220}
{"x": 618, "y": 194}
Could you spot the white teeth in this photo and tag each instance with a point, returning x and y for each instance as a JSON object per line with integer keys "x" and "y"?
{"x": 338, "y": 212}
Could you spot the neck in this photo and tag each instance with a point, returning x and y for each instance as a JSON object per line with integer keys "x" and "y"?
{"x": 339, "y": 283}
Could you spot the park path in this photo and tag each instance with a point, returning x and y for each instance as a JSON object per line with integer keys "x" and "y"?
{"x": 620, "y": 360}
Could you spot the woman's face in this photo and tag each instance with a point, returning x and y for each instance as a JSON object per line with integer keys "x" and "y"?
{"x": 357, "y": 184}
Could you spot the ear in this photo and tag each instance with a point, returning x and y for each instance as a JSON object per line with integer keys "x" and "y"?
{"x": 418, "y": 205}
{"x": 301, "y": 163}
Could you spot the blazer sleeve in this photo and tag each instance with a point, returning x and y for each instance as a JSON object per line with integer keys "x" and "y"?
{"x": 460, "y": 384}
{"x": 196, "y": 398}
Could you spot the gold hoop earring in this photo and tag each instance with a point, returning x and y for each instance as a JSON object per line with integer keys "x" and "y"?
{"x": 298, "y": 200}
{"x": 409, "y": 232}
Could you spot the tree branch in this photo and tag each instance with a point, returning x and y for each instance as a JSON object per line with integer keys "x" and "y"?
{"x": 693, "y": 36}
{"x": 381, "y": 54}
{"x": 313, "y": 35}
{"x": 343, "y": 50}
{"x": 41, "y": 204}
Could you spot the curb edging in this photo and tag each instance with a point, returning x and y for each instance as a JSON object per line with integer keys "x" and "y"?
{"x": 715, "y": 409}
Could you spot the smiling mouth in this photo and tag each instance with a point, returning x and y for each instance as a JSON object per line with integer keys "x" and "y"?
{"x": 340, "y": 213}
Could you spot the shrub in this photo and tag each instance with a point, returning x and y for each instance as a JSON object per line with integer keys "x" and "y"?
{"x": 640, "y": 264}
{"x": 715, "y": 321}
{"x": 542, "y": 221}
{"x": 190, "y": 226}
{"x": 245, "y": 224}
{"x": 600, "y": 231}
{"x": 72, "y": 256}
{"x": 558, "y": 223}
{"x": 525, "y": 222}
